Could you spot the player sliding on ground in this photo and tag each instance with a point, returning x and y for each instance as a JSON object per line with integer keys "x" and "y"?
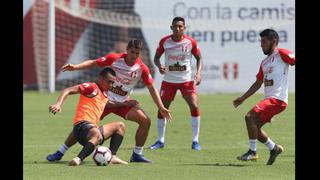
{"x": 129, "y": 69}
{"x": 273, "y": 73}
{"x": 93, "y": 97}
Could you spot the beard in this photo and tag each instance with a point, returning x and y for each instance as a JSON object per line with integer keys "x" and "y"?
{"x": 267, "y": 51}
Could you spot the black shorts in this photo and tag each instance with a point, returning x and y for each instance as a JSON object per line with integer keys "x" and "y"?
{"x": 81, "y": 130}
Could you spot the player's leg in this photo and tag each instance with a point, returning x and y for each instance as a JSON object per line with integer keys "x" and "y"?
{"x": 136, "y": 114}
{"x": 263, "y": 138}
{"x": 189, "y": 93}
{"x": 89, "y": 136}
{"x": 115, "y": 131}
{"x": 167, "y": 93}
{"x": 252, "y": 128}
{"x": 161, "y": 125}
{"x": 267, "y": 109}
{"x": 70, "y": 141}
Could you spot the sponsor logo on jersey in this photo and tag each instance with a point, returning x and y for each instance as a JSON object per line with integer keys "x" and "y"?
{"x": 177, "y": 67}
{"x": 118, "y": 90}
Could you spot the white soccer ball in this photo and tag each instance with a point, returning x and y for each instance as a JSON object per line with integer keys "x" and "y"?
{"x": 102, "y": 156}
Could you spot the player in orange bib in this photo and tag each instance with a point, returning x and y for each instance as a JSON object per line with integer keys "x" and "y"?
{"x": 93, "y": 98}
{"x": 130, "y": 69}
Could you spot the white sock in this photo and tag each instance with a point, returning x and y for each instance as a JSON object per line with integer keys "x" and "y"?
{"x": 63, "y": 148}
{"x": 161, "y": 129}
{"x": 253, "y": 144}
{"x": 195, "y": 123}
{"x": 270, "y": 144}
{"x": 138, "y": 150}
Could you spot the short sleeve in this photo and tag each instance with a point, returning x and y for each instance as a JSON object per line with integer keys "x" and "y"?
{"x": 88, "y": 89}
{"x": 107, "y": 60}
{"x": 195, "y": 48}
{"x": 146, "y": 76}
{"x": 160, "y": 48}
{"x": 287, "y": 56}
{"x": 259, "y": 75}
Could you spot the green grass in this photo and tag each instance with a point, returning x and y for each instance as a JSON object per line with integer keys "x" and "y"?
{"x": 223, "y": 136}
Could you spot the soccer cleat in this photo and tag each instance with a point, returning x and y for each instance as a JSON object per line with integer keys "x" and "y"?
{"x": 248, "y": 156}
{"x": 55, "y": 156}
{"x": 278, "y": 149}
{"x": 196, "y": 146}
{"x": 157, "y": 145}
{"x": 139, "y": 158}
{"x": 75, "y": 161}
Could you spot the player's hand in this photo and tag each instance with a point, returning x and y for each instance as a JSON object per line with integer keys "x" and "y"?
{"x": 162, "y": 69}
{"x": 237, "y": 102}
{"x": 197, "y": 78}
{"x": 131, "y": 103}
{"x": 54, "y": 108}
{"x": 166, "y": 114}
{"x": 68, "y": 67}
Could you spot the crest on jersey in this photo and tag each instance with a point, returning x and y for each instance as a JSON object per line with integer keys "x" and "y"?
{"x": 184, "y": 48}
{"x": 134, "y": 74}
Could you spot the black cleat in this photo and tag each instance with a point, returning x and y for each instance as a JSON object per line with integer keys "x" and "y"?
{"x": 278, "y": 149}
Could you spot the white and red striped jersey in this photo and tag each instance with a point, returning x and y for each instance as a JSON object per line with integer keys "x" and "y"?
{"x": 178, "y": 56}
{"x": 126, "y": 76}
{"x": 273, "y": 72}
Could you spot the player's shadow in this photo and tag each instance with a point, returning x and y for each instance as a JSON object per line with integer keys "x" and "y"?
{"x": 45, "y": 162}
{"x": 217, "y": 164}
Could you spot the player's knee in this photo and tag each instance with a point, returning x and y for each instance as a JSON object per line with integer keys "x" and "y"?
{"x": 145, "y": 121}
{"x": 121, "y": 127}
{"x": 248, "y": 117}
{"x": 195, "y": 112}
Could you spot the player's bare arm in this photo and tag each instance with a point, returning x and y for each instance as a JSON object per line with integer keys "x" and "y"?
{"x": 199, "y": 69}
{"x": 254, "y": 88}
{"x": 84, "y": 65}
{"x": 54, "y": 108}
{"x": 162, "y": 68}
{"x": 156, "y": 98}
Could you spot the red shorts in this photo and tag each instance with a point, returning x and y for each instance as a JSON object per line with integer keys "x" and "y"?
{"x": 120, "y": 111}
{"x": 269, "y": 107}
{"x": 168, "y": 90}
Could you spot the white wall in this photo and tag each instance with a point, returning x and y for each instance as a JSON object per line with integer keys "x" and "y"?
{"x": 227, "y": 32}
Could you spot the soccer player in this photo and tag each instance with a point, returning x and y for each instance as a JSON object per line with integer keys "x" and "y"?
{"x": 93, "y": 98}
{"x": 129, "y": 69}
{"x": 273, "y": 73}
{"x": 178, "y": 49}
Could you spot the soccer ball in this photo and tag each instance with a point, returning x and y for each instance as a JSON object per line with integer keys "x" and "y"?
{"x": 102, "y": 156}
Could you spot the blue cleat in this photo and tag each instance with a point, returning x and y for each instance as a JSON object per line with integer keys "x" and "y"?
{"x": 157, "y": 145}
{"x": 196, "y": 146}
{"x": 139, "y": 158}
{"x": 55, "y": 156}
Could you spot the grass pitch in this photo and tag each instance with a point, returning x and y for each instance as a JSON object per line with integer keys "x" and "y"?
{"x": 223, "y": 136}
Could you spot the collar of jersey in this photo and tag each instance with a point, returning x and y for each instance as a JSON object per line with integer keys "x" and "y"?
{"x": 124, "y": 58}
{"x": 183, "y": 36}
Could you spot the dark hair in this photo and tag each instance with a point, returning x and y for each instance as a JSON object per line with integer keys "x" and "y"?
{"x": 178, "y": 19}
{"x": 136, "y": 43}
{"x": 106, "y": 71}
{"x": 270, "y": 34}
